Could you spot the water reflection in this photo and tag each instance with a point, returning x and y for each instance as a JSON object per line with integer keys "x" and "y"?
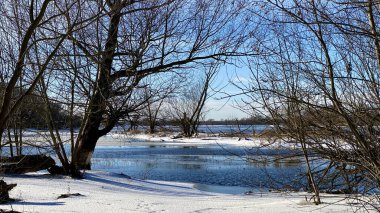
{"x": 265, "y": 161}
{"x": 210, "y": 165}
{"x": 189, "y": 147}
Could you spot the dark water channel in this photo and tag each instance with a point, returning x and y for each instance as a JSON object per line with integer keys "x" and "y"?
{"x": 225, "y": 170}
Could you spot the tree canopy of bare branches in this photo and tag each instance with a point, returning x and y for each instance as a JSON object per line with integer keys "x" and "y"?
{"x": 317, "y": 74}
{"x": 107, "y": 59}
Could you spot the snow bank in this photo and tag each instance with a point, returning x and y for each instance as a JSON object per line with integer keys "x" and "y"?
{"x": 120, "y": 139}
{"x": 105, "y": 192}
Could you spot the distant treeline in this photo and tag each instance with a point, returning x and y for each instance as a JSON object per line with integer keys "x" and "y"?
{"x": 34, "y": 111}
{"x": 254, "y": 120}
{"x": 257, "y": 120}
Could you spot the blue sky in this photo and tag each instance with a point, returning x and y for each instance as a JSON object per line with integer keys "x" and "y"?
{"x": 219, "y": 107}
{"x": 218, "y": 110}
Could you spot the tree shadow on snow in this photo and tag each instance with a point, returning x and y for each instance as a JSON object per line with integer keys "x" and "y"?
{"x": 28, "y": 203}
{"x": 153, "y": 187}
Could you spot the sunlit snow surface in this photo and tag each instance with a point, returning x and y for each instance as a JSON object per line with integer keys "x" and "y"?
{"x": 209, "y": 164}
{"x": 104, "y": 192}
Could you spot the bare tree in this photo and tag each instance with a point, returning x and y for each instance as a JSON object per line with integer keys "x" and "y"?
{"x": 188, "y": 106}
{"x": 135, "y": 39}
{"x": 318, "y": 76}
{"x": 31, "y": 33}
{"x": 27, "y": 26}
{"x": 158, "y": 90}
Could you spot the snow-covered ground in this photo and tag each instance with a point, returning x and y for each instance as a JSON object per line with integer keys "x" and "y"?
{"x": 120, "y": 139}
{"x": 105, "y": 192}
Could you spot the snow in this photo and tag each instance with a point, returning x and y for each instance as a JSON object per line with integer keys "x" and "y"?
{"x": 120, "y": 139}
{"x": 106, "y": 192}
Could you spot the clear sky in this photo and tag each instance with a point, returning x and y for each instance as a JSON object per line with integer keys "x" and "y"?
{"x": 219, "y": 107}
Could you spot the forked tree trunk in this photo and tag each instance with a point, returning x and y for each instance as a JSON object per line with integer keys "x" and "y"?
{"x": 87, "y": 138}
{"x": 83, "y": 153}
{"x": 90, "y": 132}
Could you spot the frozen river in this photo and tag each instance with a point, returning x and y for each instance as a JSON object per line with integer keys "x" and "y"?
{"x": 212, "y": 168}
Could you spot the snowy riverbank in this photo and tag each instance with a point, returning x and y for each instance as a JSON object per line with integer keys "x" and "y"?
{"x": 171, "y": 139}
{"x": 108, "y": 192}
{"x": 105, "y": 192}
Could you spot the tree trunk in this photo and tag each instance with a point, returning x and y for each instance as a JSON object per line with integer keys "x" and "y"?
{"x": 186, "y": 125}
{"x": 86, "y": 142}
{"x": 152, "y": 127}
{"x": 90, "y": 132}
